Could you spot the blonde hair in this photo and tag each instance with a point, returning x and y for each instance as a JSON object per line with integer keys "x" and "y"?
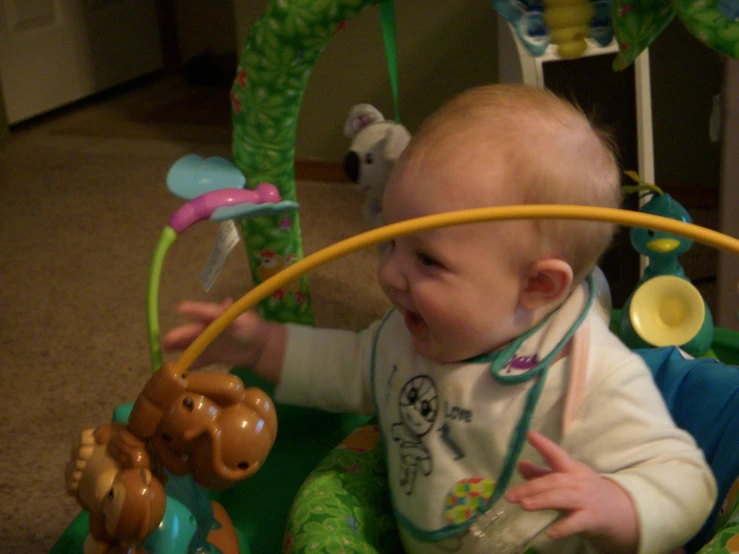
{"x": 552, "y": 154}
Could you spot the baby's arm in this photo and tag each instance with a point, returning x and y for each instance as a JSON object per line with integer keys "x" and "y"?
{"x": 624, "y": 432}
{"x": 321, "y": 368}
{"x": 248, "y": 341}
{"x": 594, "y": 506}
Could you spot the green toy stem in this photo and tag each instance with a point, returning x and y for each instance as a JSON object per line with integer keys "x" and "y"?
{"x": 389, "y": 35}
{"x": 641, "y": 185}
{"x": 166, "y": 239}
{"x": 641, "y": 188}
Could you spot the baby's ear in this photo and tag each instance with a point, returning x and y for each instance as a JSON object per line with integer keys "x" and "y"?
{"x": 548, "y": 281}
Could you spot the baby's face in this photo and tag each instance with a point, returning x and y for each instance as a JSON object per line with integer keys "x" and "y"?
{"x": 457, "y": 288}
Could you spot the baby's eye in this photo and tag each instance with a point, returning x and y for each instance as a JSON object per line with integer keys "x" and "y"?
{"x": 427, "y": 260}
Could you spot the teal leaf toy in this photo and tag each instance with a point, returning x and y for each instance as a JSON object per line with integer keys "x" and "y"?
{"x": 192, "y": 176}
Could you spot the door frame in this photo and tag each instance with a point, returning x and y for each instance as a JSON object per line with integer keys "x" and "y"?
{"x": 4, "y": 127}
{"x": 171, "y": 56}
{"x": 728, "y": 267}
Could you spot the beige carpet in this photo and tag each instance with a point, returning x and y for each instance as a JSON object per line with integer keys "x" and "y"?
{"x": 155, "y": 108}
{"x": 83, "y": 200}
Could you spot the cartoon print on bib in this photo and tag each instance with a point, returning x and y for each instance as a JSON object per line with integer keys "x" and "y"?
{"x": 467, "y": 498}
{"x": 520, "y": 364}
{"x": 418, "y": 407}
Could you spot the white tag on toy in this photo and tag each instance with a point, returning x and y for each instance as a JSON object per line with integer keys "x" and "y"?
{"x": 228, "y": 237}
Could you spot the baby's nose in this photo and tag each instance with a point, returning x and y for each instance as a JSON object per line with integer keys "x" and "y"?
{"x": 390, "y": 274}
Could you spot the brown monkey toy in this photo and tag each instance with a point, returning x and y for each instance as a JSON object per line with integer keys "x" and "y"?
{"x": 207, "y": 424}
{"x": 109, "y": 474}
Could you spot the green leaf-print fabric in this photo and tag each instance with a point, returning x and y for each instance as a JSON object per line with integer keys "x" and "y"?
{"x": 344, "y": 507}
{"x": 274, "y": 68}
{"x": 715, "y": 22}
{"x": 636, "y": 23}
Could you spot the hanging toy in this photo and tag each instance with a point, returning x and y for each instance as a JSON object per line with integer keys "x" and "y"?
{"x": 665, "y": 308}
{"x": 569, "y": 25}
{"x": 376, "y": 144}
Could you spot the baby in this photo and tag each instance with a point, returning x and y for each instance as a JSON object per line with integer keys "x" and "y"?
{"x": 493, "y": 372}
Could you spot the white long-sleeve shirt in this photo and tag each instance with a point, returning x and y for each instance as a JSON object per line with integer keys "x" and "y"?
{"x": 447, "y": 429}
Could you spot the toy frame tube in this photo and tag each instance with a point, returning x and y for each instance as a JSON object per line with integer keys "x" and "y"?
{"x": 382, "y": 234}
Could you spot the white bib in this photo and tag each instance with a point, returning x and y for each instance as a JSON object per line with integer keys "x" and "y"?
{"x": 448, "y": 429}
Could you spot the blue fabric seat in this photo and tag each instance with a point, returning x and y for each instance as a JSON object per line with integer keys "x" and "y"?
{"x": 703, "y": 397}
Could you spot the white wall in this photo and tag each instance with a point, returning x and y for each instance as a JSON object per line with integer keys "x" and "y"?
{"x": 442, "y": 51}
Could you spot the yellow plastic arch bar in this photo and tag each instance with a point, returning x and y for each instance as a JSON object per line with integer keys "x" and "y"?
{"x": 388, "y": 232}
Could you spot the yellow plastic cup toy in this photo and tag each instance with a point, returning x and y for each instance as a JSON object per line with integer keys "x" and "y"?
{"x": 667, "y": 310}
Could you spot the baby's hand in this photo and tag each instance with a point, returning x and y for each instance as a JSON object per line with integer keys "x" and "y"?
{"x": 594, "y": 506}
{"x": 242, "y": 344}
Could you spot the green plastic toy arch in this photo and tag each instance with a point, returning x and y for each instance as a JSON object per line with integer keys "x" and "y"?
{"x": 275, "y": 65}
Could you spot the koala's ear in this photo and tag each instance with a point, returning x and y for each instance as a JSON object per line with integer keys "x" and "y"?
{"x": 397, "y": 138}
{"x": 360, "y": 116}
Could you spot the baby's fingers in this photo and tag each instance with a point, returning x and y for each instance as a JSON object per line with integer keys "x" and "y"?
{"x": 554, "y": 455}
{"x": 547, "y": 485}
{"x": 550, "y": 498}
{"x": 181, "y": 337}
{"x": 205, "y": 312}
{"x": 573, "y": 524}
{"x": 529, "y": 470}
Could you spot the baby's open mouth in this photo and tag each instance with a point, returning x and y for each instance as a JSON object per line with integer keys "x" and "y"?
{"x": 414, "y": 322}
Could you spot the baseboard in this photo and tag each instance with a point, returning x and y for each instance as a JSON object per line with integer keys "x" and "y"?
{"x": 4, "y": 128}
{"x": 320, "y": 170}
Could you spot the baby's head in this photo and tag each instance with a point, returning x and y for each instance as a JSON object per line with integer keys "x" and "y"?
{"x": 467, "y": 290}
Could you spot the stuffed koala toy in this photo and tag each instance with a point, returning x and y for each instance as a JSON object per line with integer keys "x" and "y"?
{"x": 376, "y": 146}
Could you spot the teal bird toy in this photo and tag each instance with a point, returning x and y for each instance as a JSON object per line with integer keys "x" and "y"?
{"x": 665, "y": 308}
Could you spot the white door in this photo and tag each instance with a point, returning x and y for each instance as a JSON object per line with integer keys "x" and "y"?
{"x": 53, "y": 52}
{"x": 728, "y": 273}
